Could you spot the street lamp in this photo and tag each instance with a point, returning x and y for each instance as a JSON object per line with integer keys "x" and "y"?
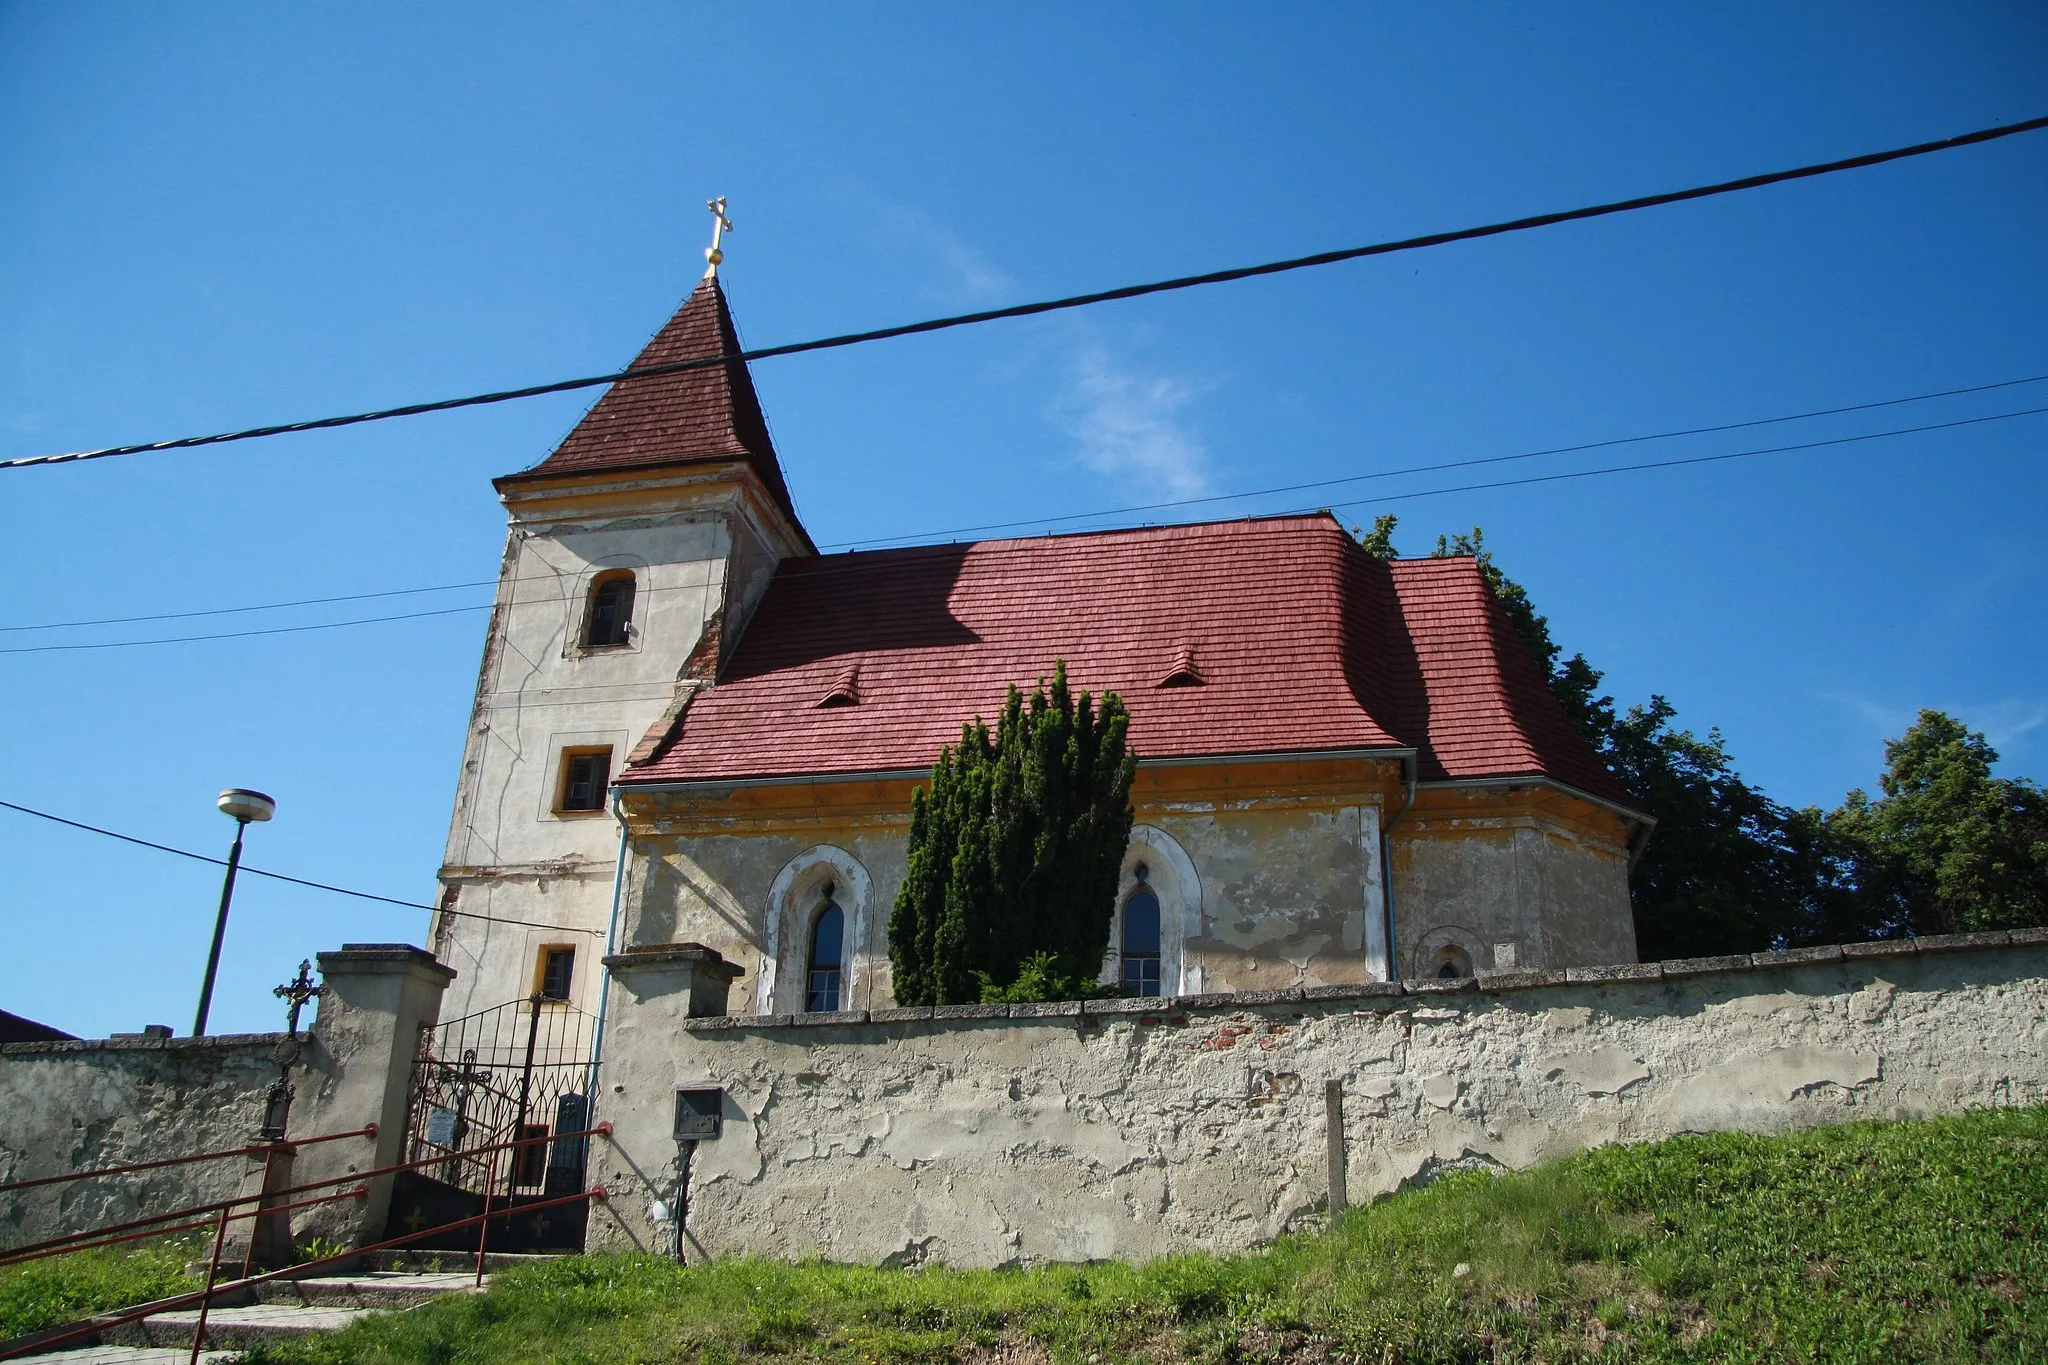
{"x": 242, "y": 806}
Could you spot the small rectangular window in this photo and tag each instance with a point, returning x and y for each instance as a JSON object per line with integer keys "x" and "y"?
{"x": 586, "y": 774}
{"x": 557, "y": 972}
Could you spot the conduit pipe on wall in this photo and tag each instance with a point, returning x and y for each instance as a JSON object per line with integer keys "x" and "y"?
{"x": 1411, "y": 766}
{"x": 611, "y": 934}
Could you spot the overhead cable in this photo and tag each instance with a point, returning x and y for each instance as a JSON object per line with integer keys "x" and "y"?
{"x": 1021, "y": 310}
{"x": 814, "y": 566}
{"x": 1432, "y": 468}
{"x": 1001, "y": 525}
{"x": 1690, "y": 460}
{"x": 247, "y": 870}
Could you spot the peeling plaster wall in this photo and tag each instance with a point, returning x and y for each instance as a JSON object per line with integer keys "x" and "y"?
{"x": 1283, "y": 896}
{"x": 68, "y": 1105}
{"x": 987, "y": 1141}
{"x": 699, "y": 543}
{"x": 1274, "y": 886}
{"x": 1513, "y": 893}
{"x": 716, "y": 890}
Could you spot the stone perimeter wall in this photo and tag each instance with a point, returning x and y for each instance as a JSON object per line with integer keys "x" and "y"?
{"x": 990, "y": 1135}
{"x": 66, "y": 1106}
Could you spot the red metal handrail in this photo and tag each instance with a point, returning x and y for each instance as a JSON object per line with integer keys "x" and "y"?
{"x": 40, "y": 1250}
{"x": 9, "y": 1187}
{"x": 77, "y": 1241}
{"x": 170, "y": 1305}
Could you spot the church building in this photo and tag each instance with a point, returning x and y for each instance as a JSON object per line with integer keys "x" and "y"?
{"x": 692, "y": 727}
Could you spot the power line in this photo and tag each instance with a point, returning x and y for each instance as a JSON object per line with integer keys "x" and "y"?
{"x": 244, "y": 634}
{"x": 1449, "y": 464}
{"x": 281, "y": 877}
{"x": 1021, "y": 310}
{"x": 1010, "y": 525}
{"x": 812, "y": 567}
{"x": 1695, "y": 459}
{"x": 266, "y": 606}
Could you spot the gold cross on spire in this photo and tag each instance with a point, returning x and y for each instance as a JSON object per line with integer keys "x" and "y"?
{"x": 720, "y": 225}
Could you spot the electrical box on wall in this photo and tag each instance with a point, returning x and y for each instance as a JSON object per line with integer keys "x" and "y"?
{"x": 699, "y": 1114}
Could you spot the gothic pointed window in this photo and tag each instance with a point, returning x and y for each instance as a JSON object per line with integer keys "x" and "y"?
{"x": 611, "y": 610}
{"x": 828, "y": 956}
{"x": 1140, "y": 946}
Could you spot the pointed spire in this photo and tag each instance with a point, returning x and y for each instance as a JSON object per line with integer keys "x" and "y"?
{"x": 688, "y": 417}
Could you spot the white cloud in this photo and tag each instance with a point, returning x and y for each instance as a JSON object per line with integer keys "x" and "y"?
{"x": 2005, "y": 723}
{"x": 1129, "y": 426}
{"x": 963, "y": 276}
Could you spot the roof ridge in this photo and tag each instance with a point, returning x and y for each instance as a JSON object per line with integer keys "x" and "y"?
{"x": 1105, "y": 532}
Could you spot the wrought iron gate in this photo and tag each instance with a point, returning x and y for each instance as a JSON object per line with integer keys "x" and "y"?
{"x": 520, "y": 1070}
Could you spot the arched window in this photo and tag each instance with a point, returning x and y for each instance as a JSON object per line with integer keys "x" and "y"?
{"x": 611, "y": 610}
{"x": 828, "y": 956}
{"x": 1140, "y": 946}
{"x": 1452, "y": 962}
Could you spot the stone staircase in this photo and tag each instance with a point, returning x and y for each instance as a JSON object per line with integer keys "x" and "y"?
{"x": 264, "y": 1312}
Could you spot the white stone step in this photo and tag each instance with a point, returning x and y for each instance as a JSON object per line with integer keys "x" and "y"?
{"x": 133, "y": 1355}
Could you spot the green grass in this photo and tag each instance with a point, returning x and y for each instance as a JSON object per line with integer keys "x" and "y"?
{"x": 1897, "y": 1242}
{"x": 49, "y": 1293}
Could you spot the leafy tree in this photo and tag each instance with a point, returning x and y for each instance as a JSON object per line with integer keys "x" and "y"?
{"x": 1728, "y": 870}
{"x": 1014, "y": 854}
{"x": 1947, "y": 848}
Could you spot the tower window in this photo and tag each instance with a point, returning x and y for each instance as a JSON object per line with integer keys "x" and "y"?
{"x": 1140, "y": 945}
{"x": 828, "y": 956}
{"x": 557, "y": 970}
{"x": 586, "y": 773}
{"x": 611, "y": 611}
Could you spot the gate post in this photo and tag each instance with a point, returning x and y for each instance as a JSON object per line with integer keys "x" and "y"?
{"x": 659, "y": 986}
{"x": 358, "y": 1068}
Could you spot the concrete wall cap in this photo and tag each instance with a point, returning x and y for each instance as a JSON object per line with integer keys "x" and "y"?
{"x": 1136, "y": 1004}
{"x": 1439, "y": 985}
{"x": 706, "y": 960}
{"x": 1285, "y": 996}
{"x": 1615, "y": 971}
{"x": 373, "y": 958}
{"x": 1790, "y": 957}
{"x": 970, "y": 1011}
{"x": 900, "y": 1016}
{"x": 1519, "y": 980}
{"x": 263, "y": 1044}
{"x": 1162, "y": 1007}
{"x": 1706, "y": 966}
{"x": 1357, "y": 990}
{"x": 1046, "y": 1009}
{"x": 1880, "y": 947}
{"x": 1954, "y": 943}
{"x": 824, "y": 1018}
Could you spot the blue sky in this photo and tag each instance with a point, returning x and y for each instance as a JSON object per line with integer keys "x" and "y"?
{"x": 219, "y": 215}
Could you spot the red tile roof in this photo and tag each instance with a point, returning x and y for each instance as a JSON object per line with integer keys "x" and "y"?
{"x": 688, "y": 417}
{"x": 871, "y": 661}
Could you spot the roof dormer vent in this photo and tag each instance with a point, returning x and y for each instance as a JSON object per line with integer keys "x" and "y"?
{"x": 845, "y": 688}
{"x": 1184, "y": 672}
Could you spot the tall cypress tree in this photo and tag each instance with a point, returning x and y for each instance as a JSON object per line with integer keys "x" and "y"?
{"x": 1014, "y": 853}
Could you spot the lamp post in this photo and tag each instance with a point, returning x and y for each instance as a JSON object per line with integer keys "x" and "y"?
{"x": 243, "y": 806}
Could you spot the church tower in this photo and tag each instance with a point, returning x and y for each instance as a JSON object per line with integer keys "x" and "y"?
{"x": 634, "y": 556}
